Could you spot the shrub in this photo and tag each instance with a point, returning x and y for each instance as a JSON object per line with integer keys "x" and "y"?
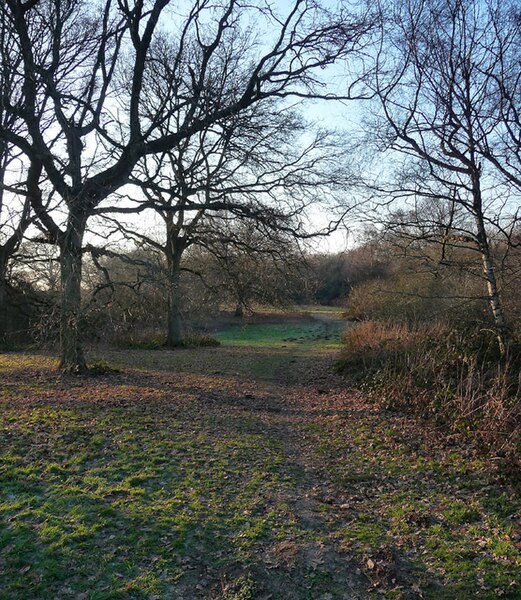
{"x": 433, "y": 370}
{"x": 416, "y": 297}
{"x": 145, "y": 343}
{"x": 200, "y": 340}
{"x": 102, "y": 367}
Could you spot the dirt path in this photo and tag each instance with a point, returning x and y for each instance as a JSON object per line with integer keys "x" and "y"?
{"x": 418, "y": 513}
{"x": 285, "y": 411}
{"x": 400, "y": 508}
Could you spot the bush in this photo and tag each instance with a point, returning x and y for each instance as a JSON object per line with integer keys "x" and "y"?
{"x": 200, "y": 340}
{"x": 416, "y": 297}
{"x": 433, "y": 370}
{"x": 102, "y": 367}
{"x": 151, "y": 343}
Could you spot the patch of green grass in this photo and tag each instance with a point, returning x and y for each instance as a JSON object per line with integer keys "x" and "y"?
{"x": 460, "y": 513}
{"x": 85, "y": 502}
{"x": 457, "y": 531}
{"x": 123, "y": 487}
{"x": 282, "y": 335}
{"x": 365, "y": 533}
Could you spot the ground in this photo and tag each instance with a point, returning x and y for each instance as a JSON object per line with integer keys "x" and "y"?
{"x": 240, "y": 472}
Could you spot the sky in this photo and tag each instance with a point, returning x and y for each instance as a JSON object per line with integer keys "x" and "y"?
{"x": 344, "y": 117}
{"x": 327, "y": 114}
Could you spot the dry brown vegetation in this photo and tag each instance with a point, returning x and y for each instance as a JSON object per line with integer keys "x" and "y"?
{"x": 453, "y": 378}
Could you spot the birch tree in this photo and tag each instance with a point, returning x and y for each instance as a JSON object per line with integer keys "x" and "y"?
{"x": 438, "y": 112}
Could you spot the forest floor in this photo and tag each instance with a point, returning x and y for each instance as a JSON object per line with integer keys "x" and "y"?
{"x": 246, "y": 471}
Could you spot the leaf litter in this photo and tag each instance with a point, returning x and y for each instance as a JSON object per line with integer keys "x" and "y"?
{"x": 201, "y": 477}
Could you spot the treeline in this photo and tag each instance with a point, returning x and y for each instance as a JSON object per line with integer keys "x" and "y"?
{"x": 125, "y": 290}
{"x": 385, "y": 276}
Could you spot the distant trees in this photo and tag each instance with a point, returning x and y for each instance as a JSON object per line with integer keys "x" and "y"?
{"x": 126, "y": 292}
{"x": 256, "y": 266}
{"x": 335, "y": 275}
{"x": 16, "y": 215}
{"x": 239, "y": 187}
{"x": 84, "y": 72}
{"x": 449, "y": 106}
{"x": 414, "y": 286}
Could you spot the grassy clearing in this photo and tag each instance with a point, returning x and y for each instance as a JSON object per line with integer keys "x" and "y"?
{"x": 322, "y": 333}
{"x": 239, "y": 472}
{"x": 149, "y": 486}
{"x": 261, "y": 348}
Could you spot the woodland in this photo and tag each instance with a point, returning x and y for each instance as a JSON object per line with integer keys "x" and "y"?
{"x": 260, "y": 323}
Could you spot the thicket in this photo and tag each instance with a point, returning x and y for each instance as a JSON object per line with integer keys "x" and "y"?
{"x": 423, "y": 341}
{"x": 440, "y": 331}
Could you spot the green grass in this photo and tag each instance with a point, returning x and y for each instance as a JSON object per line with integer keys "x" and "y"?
{"x": 191, "y": 474}
{"x": 133, "y": 486}
{"x": 280, "y": 335}
{"x": 456, "y": 533}
{"x": 275, "y": 345}
{"x": 125, "y": 502}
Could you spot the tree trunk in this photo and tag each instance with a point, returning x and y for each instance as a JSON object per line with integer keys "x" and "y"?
{"x": 174, "y": 322}
{"x": 72, "y": 358}
{"x": 494, "y": 298}
{"x": 3, "y": 295}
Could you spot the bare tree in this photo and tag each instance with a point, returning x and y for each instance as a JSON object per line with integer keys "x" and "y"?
{"x": 75, "y": 59}
{"x": 252, "y": 168}
{"x": 437, "y": 112}
{"x": 255, "y": 266}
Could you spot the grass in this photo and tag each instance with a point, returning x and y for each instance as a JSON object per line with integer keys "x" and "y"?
{"x": 323, "y": 333}
{"x": 427, "y": 518}
{"x": 123, "y": 501}
{"x": 134, "y": 485}
{"x": 238, "y": 472}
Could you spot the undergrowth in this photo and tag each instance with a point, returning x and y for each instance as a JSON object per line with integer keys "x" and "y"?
{"x": 190, "y": 340}
{"x": 203, "y": 340}
{"x": 453, "y": 377}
